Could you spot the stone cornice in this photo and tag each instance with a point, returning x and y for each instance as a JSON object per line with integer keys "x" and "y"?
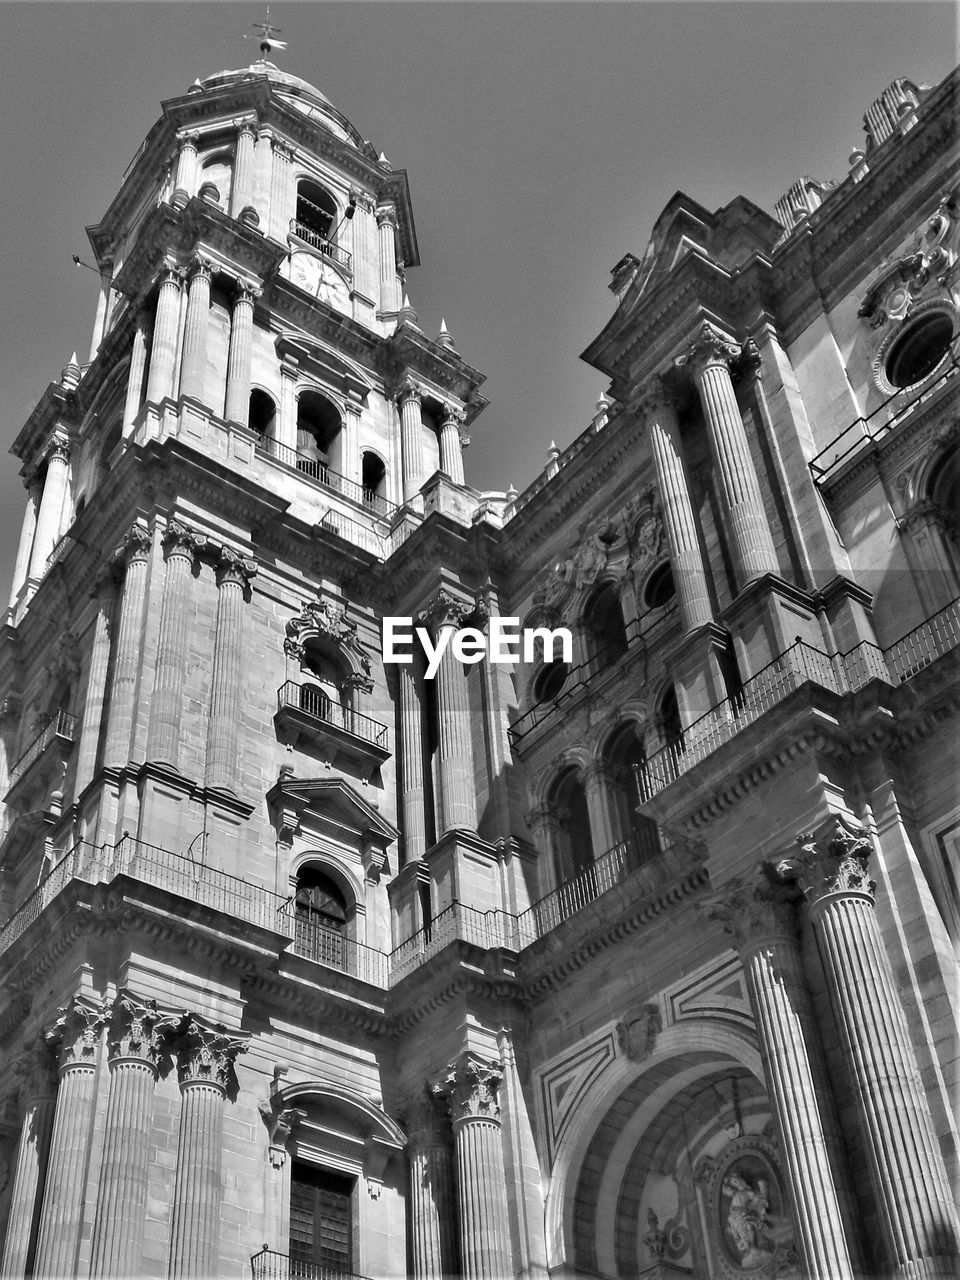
{"x": 410, "y": 351}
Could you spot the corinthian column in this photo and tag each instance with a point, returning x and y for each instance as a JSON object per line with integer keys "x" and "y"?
{"x": 243, "y": 167}
{"x": 434, "y": 1240}
{"x": 135, "y": 1041}
{"x": 36, "y": 1094}
{"x": 387, "y": 229}
{"x": 921, "y": 1233}
{"x": 194, "y": 363}
{"x": 95, "y": 700}
{"x": 764, "y": 927}
{"x": 185, "y": 183}
{"x": 126, "y": 669}
{"x": 457, "y": 802}
{"x": 409, "y": 398}
{"x": 166, "y": 326}
{"x": 233, "y": 574}
{"x": 51, "y": 505}
{"x": 411, "y": 763}
{"x": 470, "y": 1087}
{"x": 708, "y": 358}
{"x": 205, "y": 1066}
{"x": 76, "y": 1038}
{"x": 451, "y": 443}
{"x": 237, "y": 403}
{"x": 163, "y": 740}
{"x": 693, "y": 593}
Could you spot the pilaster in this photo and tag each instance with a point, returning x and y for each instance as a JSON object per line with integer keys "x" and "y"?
{"x": 457, "y": 801}
{"x": 233, "y": 576}
{"x": 135, "y": 553}
{"x": 166, "y": 328}
{"x": 36, "y": 1096}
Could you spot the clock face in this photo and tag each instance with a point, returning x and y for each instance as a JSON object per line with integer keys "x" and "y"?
{"x": 315, "y": 276}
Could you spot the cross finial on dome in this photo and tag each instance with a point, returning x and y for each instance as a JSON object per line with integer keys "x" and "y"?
{"x": 267, "y": 31}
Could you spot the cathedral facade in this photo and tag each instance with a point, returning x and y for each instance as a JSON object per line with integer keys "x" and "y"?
{"x": 635, "y": 960}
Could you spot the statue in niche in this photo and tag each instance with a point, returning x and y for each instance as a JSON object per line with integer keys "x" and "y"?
{"x": 747, "y": 1219}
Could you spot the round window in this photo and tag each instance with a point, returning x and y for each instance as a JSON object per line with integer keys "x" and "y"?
{"x": 550, "y": 681}
{"x": 660, "y": 588}
{"x": 919, "y": 349}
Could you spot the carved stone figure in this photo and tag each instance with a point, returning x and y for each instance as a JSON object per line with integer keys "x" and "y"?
{"x": 637, "y": 1033}
{"x": 747, "y": 1218}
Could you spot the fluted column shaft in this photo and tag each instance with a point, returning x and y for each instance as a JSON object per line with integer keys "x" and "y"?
{"x": 693, "y": 592}
{"x": 166, "y": 327}
{"x": 387, "y": 230}
{"x": 163, "y": 739}
{"x": 457, "y": 802}
{"x": 205, "y": 1064}
{"x": 737, "y": 482}
{"x": 51, "y": 506}
{"x": 411, "y": 440}
{"x": 596, "y": 785}
{"x": 95, "y": 700}
{"x": 37, "y": 1094}
{"x": 138, "y": 365}
{"x": 365, "y": 275}
{"x": 280, "y": 180}
{"x": 186, "y": 179}
{"x": 195, "y": 333}
{"x": 233, "y": 573}
{"x": 411, "y": 764}
{"x": 917, "y": 1215}
{"x": 76, "y": 1036}
{"x": 243, "y": 168}
{"x": 137, "y": 1032}
{"x": 237, "y": 402}
{"x": 451, "y": 453}
{"x": 471, "y": 1089}
{"x": 126, "y": 667}
{"x": 433, "y": 1235}
{"x": 25, "y": 545}
{"x": 765, "y": 929}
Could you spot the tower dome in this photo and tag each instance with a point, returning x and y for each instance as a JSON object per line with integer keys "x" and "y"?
{"x": 294, "y": 91}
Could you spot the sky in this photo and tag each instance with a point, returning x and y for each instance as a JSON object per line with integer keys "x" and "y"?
{"x": 541, "y": 142}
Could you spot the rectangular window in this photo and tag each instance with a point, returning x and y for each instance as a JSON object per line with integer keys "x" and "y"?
{"x": 321, "y": 1221}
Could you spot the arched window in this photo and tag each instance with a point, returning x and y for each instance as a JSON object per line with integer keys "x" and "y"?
{"x": 324, "y": 695}
{"x": 660, "y": 588}
{"x": 550, "y": 680}
{"x": 316, "y": 214}
{"x": 320, "y": 917}
{"x": 625, "y": 758}
{"x": 573, "y": 842}
{"x": 373, "y": 477}
{"x": 217, "y": 170}
{"x": 318, "y": 435}
{"x": 604, "y": 624}
{"x": 263, "y": 414}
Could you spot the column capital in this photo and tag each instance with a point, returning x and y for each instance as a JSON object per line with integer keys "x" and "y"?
{"x": 200, "y": 268}
{"x": 135, "y": 545}
{"x": 470, "y": 1088}
{"x": 245, "y": 124}
{"x": 750, "y": 361}
{"x": 655, "y": 400}
{"x": 206, "y": 1055}
{"x": 831, "y": 860}
{"x": 752, "y": 913}
{"x": 57, "y": 447}
{"x": 424, "y": 1120}
{"x": 75, "y": 1035}
{"x": 387, "y": 214}
{"x": 452, "y": 414}
{"x": 445, "y": 610}
{"x": 171, "y": 272}
{"x": 709, "y": 348}
{"x": 409, "y": 389}
{"x": 358, "y": 682}
{"x": 188, "y": 138}
{"x": 232, "y": 567}
{"x": 282, "y": 149}
{"x": 35, "y": 1074}
{"x": 180, "y": 540}
{"x": 541, "y": 816}
{"x": 362, "y": 200}
{"x": 138, "y": 1030}
{"x": 289, "y": 367}
{"x": 246, "y": 292}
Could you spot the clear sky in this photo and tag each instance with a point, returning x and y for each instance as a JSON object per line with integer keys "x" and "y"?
{"x": 541, "y": 141}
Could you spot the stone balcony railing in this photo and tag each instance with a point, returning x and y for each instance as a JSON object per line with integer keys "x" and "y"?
{"x": 800, "y": 664}
{"x": 270, "y": 1265}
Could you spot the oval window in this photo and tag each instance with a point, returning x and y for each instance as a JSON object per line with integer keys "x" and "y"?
{"x": 919, "y": 349}
{"x": 660, "y": 588}
{"x": 550, "y": 681}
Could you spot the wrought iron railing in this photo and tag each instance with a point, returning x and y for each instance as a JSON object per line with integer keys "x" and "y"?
{"x": 925, "y": 643}
{"x": 315, "y": 703}
{"x": 270, "y": 1265}
{"x": 320, "y": 242}
{"x": 318, "y": 470}
{"x": 62, "y": 725}
{"x": 317, "y": 942}
{"x": 883, "y": 419}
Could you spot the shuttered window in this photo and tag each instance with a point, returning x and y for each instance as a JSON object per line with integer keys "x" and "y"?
{"x": 321, "y": 1221}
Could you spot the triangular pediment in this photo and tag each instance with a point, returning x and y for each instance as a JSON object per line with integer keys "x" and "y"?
{"x": 330, "y": 802}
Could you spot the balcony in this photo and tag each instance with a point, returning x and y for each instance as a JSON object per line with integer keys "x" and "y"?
{"x": 307, "y": 714}
{"x": 56, "y": 737}
{"x": 320, "y": 244}
{"x": 319, "y": 471}
{"x": 801, "y": 664}
{"x": 269, "y": 1265}
{"x": 325, "y": 946}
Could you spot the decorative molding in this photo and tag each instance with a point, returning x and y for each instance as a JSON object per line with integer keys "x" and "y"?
{"x": 638, "y": 1030}
{"x": 140, "y": 1030}
{"x": 566, "y": 1082}
{"x": 752, "y": 913}
{"x": 470, "y": 1088}
{"x": 205, "y": 1055}
{"x": 75, "y": 1036}
{"x": 831, "y": 861}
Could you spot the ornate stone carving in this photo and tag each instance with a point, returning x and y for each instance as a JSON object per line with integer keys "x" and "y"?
{"x": 654, "y": 400}
{"x": 206, "y": 1055}
{"x": 747, "y": 1217}
{"x": 832, "y": 862}
{"x": 328, "y": 621}
{"x": 470, "y": 1087}
{"x": 927, "y": 512}
{"x": 933, "y": 251}
{"x": 138, "y": 1029}
{"x": 75, "y": 1036}
{"x": 234, "y": 568}
{"x": 444, "y": 610}
{"x": 408, "y": 388}
{"x": 655, "y": 1239}
{"x": 648, "y": 536}
{"x": 64, "y": 663}
{"x": 751, "y": 913}
{"x": 637, "y": 1032}
{"x": 135, "y": 545}
{"x": 709, "y": 347}
{"x": 58, "y": 448}
{"x": 35, "y": 1073}
{"x": 424, "y": 1121}
{"x": 180, "y": 540}
{"x": 281, "y": 1122}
